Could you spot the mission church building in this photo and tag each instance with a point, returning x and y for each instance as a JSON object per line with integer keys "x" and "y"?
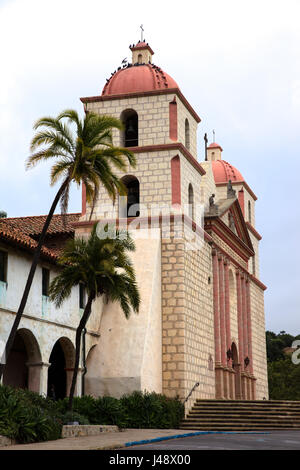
{"x": 201, "y": 318}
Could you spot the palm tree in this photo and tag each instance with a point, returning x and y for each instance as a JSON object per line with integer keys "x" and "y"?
{"x": 88, "y": 157}
{"x": 103, "y": 267}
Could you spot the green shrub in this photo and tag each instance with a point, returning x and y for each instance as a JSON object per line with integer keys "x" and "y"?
{"x": 28, "y": 417}
{"x": 152, "y": 410}
{"x": 135, "y": 410}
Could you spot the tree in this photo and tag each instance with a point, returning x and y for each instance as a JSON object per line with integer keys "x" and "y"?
{"x": 88, "y": 157}
{"x": 103, "y": 267}
{"x": 283, "y": 374}
{"x": 284, "y": 380}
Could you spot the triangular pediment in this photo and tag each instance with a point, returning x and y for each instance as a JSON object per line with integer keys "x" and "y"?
{"x": 228, "y": 218}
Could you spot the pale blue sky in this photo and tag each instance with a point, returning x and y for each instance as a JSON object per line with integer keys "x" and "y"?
{"x": 237, "y": 63}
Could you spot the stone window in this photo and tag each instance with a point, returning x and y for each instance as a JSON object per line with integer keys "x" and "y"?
{"x": 191, "y": 202}
{"x": 187, "y": 134}
{"x": 3, "y": 266}
{"x": 130, "y": 133}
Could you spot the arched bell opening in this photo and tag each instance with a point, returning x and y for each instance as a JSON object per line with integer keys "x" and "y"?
{"x": 130, "y": 133}
{"x": 129, "y": 205}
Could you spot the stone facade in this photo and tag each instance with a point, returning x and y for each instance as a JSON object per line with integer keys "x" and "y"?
{"x": 201, "y": 321}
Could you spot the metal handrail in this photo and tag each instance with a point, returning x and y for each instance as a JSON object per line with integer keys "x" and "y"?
{"x": 195, "y": 386}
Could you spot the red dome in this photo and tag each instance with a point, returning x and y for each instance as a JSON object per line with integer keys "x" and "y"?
{"x": 138, "y": 78}
{"x": 223, "y": 172}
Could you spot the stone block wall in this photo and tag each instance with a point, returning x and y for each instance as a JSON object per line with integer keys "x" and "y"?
{"x": 259, "y": 341}
{"x": 187, "y": 319}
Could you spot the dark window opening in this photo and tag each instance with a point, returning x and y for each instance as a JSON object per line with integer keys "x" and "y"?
{"x": 130, "y": 205}
{"x": 57, "y": 378}
{"x": 45, "y": 281}
{"x": 3, "y": 266}
{"x": 81, "y": 296}
{"x": 249, "y": 212}
{"x": 131, "y": 132}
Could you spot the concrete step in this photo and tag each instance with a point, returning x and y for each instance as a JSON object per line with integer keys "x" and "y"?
{"x": 236, "y": 428}
{"x": 243, "y": 415}
{"x": 295, "y": 414}
{"x": 297, "y": 402}
{"x": 229, "y": 424}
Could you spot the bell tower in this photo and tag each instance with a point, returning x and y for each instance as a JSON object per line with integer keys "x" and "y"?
{"x": 160, "y": 127}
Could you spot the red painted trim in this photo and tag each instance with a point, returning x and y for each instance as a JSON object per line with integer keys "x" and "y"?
{"x": 227, "y": 307}
{"x": 176, "y": 180}
{"x": 222, "y": 311}
{"x": 176, "y": 146}
{"x": 241, "y": 198}
{"x": 142, "y": 46}
{"x": 244, "y": 318}
{"x": 83, "y": 199}
{"x": 173, "y": 119}
{"x": 217, "y": 335}
{"x": 238, "y": 265}
{"x": 173, "y": 218}
{"x": 249, "y": 326}
{"x": 252, "y": 230}
{"x": 257, "y": 282}
{"x": 246, "y": 186}
{"x": 176, "y": 91}
{"x": 240, "y": 319}
{"x": 225, "y": 230}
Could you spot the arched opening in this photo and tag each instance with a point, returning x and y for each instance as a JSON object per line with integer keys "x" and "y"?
{"x": 61, "y": 369}
{"x": 191, "y": 202}
{"x": 129, "y": 206}
{"x": 140, "y": 58}
{"x": 237, "y": 370}
{"x": 22, "y": 369}
{"x": 187, "y": 134}
{"x": 130, "y": 133}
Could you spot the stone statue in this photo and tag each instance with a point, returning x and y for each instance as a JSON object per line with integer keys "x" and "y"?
{"x": 211, "y": 200}
{"x": 230, "y": 191}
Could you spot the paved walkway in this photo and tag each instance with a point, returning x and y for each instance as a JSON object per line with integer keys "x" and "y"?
{"x": 114, "y": 440}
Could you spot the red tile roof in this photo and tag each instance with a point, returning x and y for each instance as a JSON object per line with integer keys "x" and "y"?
{"x": 33, "y": 225}
{"x": 20, "y": 231}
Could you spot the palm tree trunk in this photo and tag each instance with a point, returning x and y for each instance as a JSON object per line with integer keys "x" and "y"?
{"x": 81, "y": 326}
{"x": 35, "y": 261}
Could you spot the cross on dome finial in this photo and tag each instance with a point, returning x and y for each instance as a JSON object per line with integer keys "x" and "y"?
{"x": 142, "y": 30}
{"x": 214, "y": 136}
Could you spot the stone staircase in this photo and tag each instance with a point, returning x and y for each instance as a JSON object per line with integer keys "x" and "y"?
{"x": 242, "y": 415}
